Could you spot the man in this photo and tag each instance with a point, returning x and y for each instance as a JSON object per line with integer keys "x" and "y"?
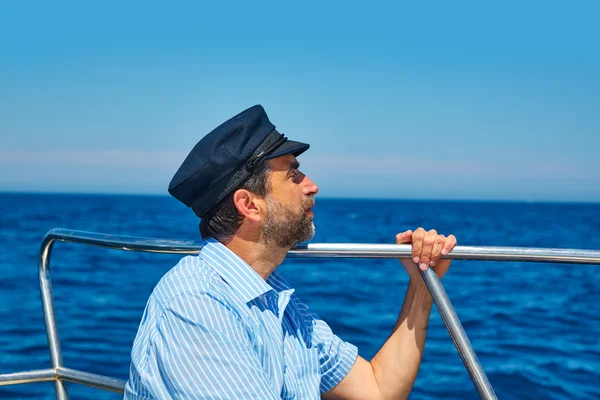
{"x": 225, "y": 325}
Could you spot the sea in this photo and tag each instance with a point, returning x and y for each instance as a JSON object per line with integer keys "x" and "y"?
{"x": 535, "y": 327}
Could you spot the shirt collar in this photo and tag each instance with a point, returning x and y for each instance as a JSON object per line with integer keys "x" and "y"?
{"x": 235, "y": 271}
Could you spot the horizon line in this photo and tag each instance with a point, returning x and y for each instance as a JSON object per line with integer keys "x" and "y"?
{"x": 166, "y": 195}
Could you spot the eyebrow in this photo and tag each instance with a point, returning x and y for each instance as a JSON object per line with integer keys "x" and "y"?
{"x": 294, "y": 165}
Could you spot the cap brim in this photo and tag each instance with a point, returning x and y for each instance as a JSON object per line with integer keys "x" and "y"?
{"x": 289, "y": 147}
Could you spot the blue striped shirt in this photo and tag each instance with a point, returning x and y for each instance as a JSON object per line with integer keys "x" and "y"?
{"x": 214, "y": 329}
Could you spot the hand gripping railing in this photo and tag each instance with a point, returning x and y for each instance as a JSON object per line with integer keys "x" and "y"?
{"x": 58, "y": 373}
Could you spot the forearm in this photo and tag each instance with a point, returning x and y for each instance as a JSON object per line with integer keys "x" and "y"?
{"x": 396, "y": 364}
{"x": 391, "y": 374}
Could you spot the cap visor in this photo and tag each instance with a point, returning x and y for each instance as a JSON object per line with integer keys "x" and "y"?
{"x": 289, "y": 147}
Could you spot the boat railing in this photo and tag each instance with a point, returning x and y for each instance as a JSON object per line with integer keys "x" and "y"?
{"x": 60, "y": 374}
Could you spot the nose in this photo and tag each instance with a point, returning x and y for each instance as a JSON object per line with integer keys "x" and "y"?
{"x": 309, "y": 187}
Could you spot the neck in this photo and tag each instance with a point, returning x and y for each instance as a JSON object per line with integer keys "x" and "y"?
{"x": 261, "y": 257}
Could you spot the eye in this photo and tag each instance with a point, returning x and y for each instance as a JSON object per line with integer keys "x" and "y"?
{"x": 294, "y": 174}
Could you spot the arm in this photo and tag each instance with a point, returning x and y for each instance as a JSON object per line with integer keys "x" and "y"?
{"x": 392, "y": 371}
{"x": 203, "y": 351}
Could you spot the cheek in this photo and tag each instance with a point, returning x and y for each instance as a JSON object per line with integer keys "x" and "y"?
{"x": 289, "y": 195}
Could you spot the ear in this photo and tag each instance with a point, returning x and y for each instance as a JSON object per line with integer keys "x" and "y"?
{"x": 248, "y": 204}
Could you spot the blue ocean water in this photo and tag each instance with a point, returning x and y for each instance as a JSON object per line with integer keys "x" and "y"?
{"x": 535, "y": 327}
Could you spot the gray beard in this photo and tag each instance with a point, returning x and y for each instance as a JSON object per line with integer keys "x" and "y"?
{"x": 285, "y": 227}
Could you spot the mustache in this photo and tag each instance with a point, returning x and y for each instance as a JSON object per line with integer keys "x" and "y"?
{"x": 308, "y": 203}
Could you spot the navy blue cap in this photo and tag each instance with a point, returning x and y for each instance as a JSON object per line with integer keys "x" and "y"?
{"x": 226, "y": 157}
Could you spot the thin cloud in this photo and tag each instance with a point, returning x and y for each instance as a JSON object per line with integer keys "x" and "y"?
{"x": 144, "y": 171}
{"x": 325, "y": 164}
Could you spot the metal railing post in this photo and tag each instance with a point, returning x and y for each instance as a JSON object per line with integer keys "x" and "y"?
{"x": 458, "y": 334}
{"x": 49, "y": 314}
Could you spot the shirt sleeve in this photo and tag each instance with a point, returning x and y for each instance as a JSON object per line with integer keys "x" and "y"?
{"x": 203, "y": 351}
{"x": 336, "y": 357}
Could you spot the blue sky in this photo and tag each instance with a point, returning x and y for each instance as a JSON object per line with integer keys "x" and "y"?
{"x": 458, "y": 100}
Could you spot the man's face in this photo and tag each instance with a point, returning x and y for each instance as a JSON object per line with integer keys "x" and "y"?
{"x": 289, "y": 215}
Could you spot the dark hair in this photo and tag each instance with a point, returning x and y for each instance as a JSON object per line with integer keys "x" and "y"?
{"x": 223, "y": 220}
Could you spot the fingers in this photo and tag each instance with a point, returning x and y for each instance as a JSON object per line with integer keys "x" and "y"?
{"x": 417, "y": 242}
{"x": 438, "y": 245}
{"x": 426, "y": 251}
{"x": 428, "y": 246}
{"x": 404, "y": 237}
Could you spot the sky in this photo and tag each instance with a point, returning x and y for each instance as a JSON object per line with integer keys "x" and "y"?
{"x": 441, "y": 100}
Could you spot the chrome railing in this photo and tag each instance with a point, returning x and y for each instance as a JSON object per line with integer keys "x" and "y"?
{"x": 59, "y": 373}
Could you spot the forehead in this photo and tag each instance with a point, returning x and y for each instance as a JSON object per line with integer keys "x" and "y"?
{"x": 283, "y": 163}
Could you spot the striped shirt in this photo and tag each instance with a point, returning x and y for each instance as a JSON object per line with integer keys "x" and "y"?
{"x": 214, "y": 329}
